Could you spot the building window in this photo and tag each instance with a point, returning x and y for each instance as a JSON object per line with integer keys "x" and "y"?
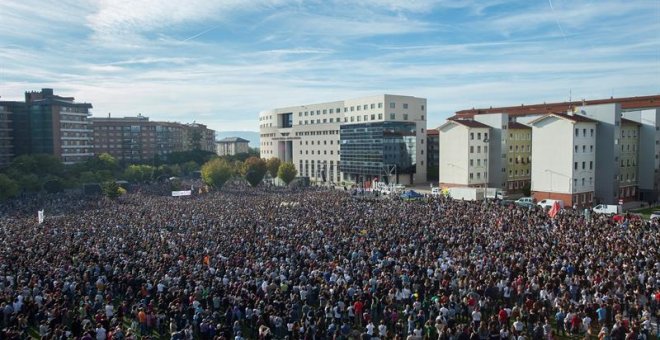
{"x": 576, "y": 149}
{"x": 592, "y": 132}
{"x": 577, "y": 132}
{"x": 405, "y": 116}
{"x": 392, "y": 116}
{"x": 471, "y": 135}
{"x": 584, "y": 165}
{"x": 591, "y": 165}
{"x": 422, "y": 117}
{"x": 472, "y": 162}
{"x": 405, "y": 105}
{"x": 392, "y": 105}
{"x": 486, "y": 135}
{"x": 380, "y": 105}
{"x": 478, "y": 135}
{"x": 471, "y": 149}
{"x": 471, "y": 176}
{"x": 575, "y": 166}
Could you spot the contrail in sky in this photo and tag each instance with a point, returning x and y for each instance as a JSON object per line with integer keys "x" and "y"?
{"x": 556, "y": 20}
{"x": 200, "y": 33}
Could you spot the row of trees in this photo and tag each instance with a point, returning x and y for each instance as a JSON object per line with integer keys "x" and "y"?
{"x": 34, "y": 173}
{"x": 41, "y": 172}
{"x": 218, "y": 171}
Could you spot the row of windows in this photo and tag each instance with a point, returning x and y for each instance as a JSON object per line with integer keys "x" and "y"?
{"x": 478, "y": 161}
{"x": 521, "y": 148}
{"x": 584, "y": 182}
{"x": 628, "y": 163}
{"x": 628, "y": 177}
{"x": 515, "y": 173}
{"x": 520, "y": 136}
{"x": 520, "y": 160}
{"x": 634, "y": 147}
{"x": 584, "y": 165}
{"x": 478, "y": 135}
{"x": 584, "y": 132}
{"x": 318, "y": 142}
{"x": 479, "y": 175}
{"x": 478, "y": 149}
{"x": 317, "y": 133}
{"x": 318, "y": 152}
{"x": 630, "y": 133}
{"x": 584, "y": 148}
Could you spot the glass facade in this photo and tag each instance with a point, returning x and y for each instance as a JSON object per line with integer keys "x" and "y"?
{"x": 375, "y": 149}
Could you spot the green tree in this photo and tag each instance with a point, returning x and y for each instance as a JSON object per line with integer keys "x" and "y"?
{"x": 138, "y": 173}
{"x": 111, "y": 189}
{"x": 216, "y": 172}
{"x": 273, "y": 165}
{"x": 8, "y": 187}
{"x": 287, "y": 172}
{"x": 254, "y": 170}
{"x": 189, "y": 167}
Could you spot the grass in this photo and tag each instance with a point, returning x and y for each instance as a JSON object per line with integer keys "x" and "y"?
{"x": 646, "y": 212}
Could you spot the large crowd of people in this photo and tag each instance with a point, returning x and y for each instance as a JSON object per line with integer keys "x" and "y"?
{"x": 247, "y": 263}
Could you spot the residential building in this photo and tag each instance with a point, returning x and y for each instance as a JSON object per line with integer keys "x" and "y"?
{"x": 50, "y": 124}
{"x": 564, "y": 157}
{"x": 198, "y": 137}
{"x": 356, "y": 140}
{"x": 231, "y": 146}
{"x": 432, "y": 154}
{"x": 648, "y": 152}
{"x": 464, "y": 153}
{"x": 138, "y": 140}
{"x": 628, "y": 165}
{"x": 519, "y": 157}
{"x": 6, "y": 136}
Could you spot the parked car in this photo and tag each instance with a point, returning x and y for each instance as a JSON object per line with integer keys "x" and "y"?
{"x": 656, "y": 215}
{"x": 547, "y": 203}
{"x": 525, "y": 202}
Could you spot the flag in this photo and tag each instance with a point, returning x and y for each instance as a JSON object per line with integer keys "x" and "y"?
{"x": 554, "y": 210}
{"x": 40, "y": 216}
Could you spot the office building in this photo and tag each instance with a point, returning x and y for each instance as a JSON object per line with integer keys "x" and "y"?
{"x": 464, "y": 153}
{"x": 231, "y": 146}
{"x": 138, "y": 140}
{"x": 356, "y": 140}
{"x": 564, "y": 157}
{"x": 432, "y": 154}
{"x": 6, "y": 137}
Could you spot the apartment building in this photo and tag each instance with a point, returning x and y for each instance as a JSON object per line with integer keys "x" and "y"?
{"x": 6, "y": 137}
{"x": 564, "y": 157}
{"x": 231, "y": 146}
{"x": 464, "y": 153}
{"x": 432, "y": 154}
{"x": 355, "y": 140}
{"x": 628, "y": 161}
{"x": 50, "y": 124}
{"x": 519, "y": 157}
{"x": 648, "y": 152}
{"x": 138, "y": 140}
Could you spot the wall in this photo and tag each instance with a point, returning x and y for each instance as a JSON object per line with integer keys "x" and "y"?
{"x": 454, "y": 154}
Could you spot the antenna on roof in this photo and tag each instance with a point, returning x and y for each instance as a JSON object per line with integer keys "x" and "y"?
{"x": 570, "y": 95}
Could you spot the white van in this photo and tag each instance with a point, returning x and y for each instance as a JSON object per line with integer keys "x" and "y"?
{"x": 547, "y": 203}
{"x": 607, "y": 209}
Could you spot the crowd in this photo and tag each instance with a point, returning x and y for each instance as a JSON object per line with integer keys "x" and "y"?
{"x": 320, "y": 264}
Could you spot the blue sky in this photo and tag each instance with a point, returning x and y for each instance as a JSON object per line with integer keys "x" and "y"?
{"x": 221, "y": 62}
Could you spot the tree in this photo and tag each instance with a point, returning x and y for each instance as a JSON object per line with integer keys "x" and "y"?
{"x": 8, "y": 187}
{"x": 254, "y": 170}
{"x": 287, "y": 172}
{"x": 216, "y": 172}
{"x": 138, "y": 173}
{"x": 527, "y": 189}
{"x": 111, "y": 189}
{"x": 273, "y": 165}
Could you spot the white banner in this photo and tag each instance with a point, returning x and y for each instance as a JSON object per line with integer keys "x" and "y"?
{"x": 40, "y": 216}
{"x": 181, "y": 193}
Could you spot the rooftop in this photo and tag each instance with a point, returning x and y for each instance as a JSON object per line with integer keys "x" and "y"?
{"x": 233, "y": 140}
{"x": 525, "y": 110}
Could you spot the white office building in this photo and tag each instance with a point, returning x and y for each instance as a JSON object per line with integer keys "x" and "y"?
{"x": 356, "y": 140}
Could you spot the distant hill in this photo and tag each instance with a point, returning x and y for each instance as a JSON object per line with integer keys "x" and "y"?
{"x": 252, "y": 136}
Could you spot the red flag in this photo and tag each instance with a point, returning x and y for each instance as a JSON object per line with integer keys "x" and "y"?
{"x": 554, "y": 210}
